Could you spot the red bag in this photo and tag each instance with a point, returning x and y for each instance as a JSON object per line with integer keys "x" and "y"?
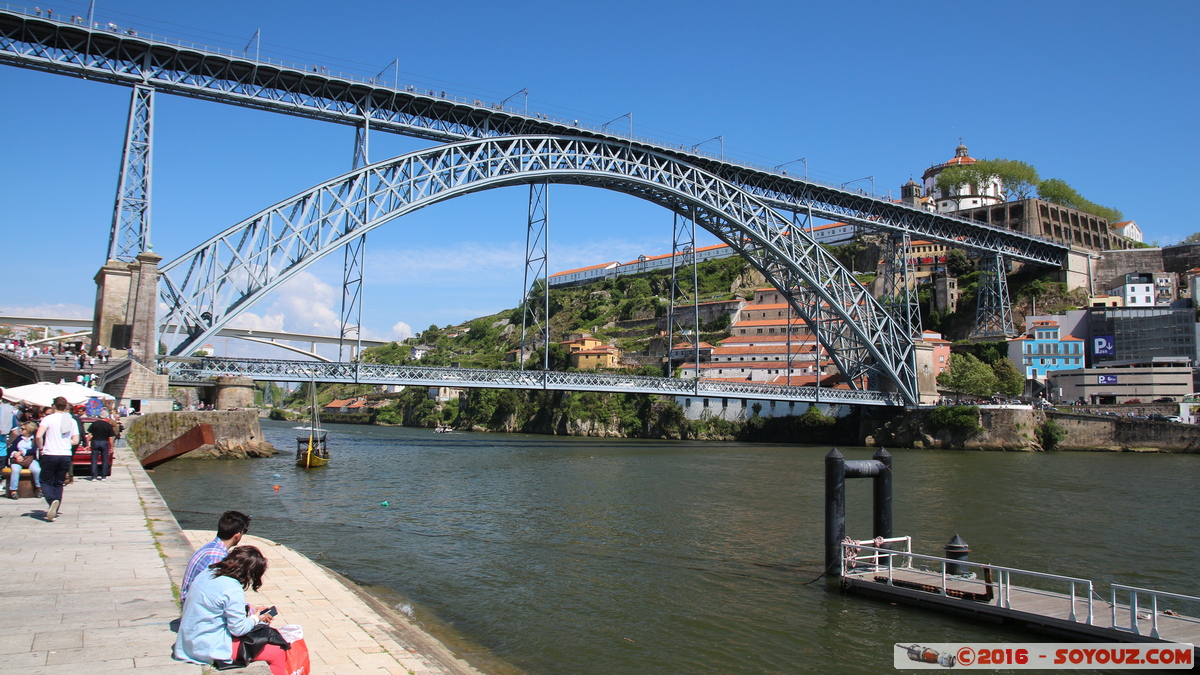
{"x": 297, "y": 658}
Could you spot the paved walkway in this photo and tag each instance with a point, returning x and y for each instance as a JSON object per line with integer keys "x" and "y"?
{"x": 345, "y": 631}
{"x": 88, "y": 593}
{"x": 95, "y": 591}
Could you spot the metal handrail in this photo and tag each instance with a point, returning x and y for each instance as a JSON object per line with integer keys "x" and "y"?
{"x": 1003, "y": 584}
{"x": 1134, "y": 591}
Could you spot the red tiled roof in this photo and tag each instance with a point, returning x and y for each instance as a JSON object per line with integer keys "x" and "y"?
{"x": 766, "y": 322}
{"x": 730, "y": 351}
{"x": 584, "y": 269}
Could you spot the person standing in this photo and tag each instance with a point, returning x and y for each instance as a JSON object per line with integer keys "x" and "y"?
{"x": 102, "y": 434}
{"x": 56, "y": 435}
{"x": 230, "y": 529}
{"x": 8, "y": 421}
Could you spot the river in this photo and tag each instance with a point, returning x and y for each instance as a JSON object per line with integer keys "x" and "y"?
{"x": 557, "y": 555}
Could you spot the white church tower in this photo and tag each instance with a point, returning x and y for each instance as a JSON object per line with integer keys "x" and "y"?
{"x": 960, "y": 196}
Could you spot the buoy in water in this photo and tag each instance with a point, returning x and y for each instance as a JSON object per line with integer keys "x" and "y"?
{"x": 383, "y": 503}
{"x": 277, "y": 488}
{"x": 275, "y": 476}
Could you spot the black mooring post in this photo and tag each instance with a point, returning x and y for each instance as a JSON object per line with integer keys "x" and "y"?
{"x": 835, "y": 510}
{"x": 883, "y": 495}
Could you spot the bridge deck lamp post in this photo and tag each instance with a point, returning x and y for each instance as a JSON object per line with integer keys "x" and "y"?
{"x": 525, "y": 91}
{"x": 395, "y": 63}
{"x": 871, "y": 178}
{"x": 714, "y": 138}
{"x": 629, "y": 115}
{"x": 802, "y": 159}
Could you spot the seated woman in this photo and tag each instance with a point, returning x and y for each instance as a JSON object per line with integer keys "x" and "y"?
{"x": 215, "y": 612}
{"x": 22, "y": 449}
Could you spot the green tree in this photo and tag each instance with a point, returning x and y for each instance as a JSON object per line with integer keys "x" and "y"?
{"x": 1019, "y": 179}
{"x": 1192, "y": 238}
{"x": 1058, "y": 191}
{"x": 957, "y": 263}
{"x": 1008, "y": 379}
{"x": 968, "y": 375}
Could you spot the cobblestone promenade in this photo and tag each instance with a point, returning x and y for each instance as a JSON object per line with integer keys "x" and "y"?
{"x": 93, "y": 591}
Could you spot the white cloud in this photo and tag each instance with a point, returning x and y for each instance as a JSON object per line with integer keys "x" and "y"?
{"x": 61, "y": 310}
{"x": 401, "y": 331}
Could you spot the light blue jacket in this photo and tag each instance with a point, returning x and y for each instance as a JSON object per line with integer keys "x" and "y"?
{"x": 214, "y": 612}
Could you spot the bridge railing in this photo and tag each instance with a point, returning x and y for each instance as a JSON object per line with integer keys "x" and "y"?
{"x": 202, "y": 368}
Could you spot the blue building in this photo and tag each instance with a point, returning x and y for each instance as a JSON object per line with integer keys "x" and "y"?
{"x": 1044, "y": 348}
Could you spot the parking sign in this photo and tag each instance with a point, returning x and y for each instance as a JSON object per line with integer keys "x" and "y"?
{"x": 1104, "y": 345}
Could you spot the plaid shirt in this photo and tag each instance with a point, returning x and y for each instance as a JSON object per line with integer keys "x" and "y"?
{"x": 212, "y": 552}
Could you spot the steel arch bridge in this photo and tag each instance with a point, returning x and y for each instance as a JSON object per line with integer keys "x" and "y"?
{"x": 209, "y": 285}
{"x": 158, "y": 64}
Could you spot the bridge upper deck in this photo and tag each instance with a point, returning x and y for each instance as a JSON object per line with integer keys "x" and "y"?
{"x": 67, "y": 48}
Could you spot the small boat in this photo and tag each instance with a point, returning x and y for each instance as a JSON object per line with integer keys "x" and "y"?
{"x": 312, "y": 449}
{"x": 442, "y": 430}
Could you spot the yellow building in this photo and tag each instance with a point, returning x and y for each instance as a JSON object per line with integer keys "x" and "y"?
{"x": 599, "y": 357}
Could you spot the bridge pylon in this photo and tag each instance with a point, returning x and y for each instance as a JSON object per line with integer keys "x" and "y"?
{"x": 993, "y": 310}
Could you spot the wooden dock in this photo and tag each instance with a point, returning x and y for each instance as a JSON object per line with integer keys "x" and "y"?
{"x": 1038, "y": 610}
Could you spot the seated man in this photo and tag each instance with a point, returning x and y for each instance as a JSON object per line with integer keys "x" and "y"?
{"x": 230, "y": 528}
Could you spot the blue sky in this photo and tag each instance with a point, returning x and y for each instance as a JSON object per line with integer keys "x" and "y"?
{"x": 1103, "y": 95}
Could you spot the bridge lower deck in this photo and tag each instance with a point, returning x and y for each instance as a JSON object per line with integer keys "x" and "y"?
{"x": 1035, "y": 609}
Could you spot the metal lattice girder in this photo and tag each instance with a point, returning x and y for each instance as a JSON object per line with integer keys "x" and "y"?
{"x": 130, "y": 233}
{"x": 683, "y": 254}
{"x": 68, "y": 49}
{"x": 271, "y": 370}
{"x": 535, "y": 299}
{"x": 354, "y": 264}
{"x": 993, "y": 311}
{"x": 899, "y": 294}
{"x": 212, "y": 283}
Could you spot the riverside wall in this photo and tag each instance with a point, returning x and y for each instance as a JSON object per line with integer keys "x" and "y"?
{"x": 237, "y": 432}
{"x": 1018, "y": 430}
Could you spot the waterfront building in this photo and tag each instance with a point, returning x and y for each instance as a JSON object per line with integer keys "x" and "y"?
{"x": 686, "y": 351}
{"x": 418, "y": 352}
{"x": 1123, "y": 384}
{"x": 1045, "y": 347}
{"x": 1119, "y": 336}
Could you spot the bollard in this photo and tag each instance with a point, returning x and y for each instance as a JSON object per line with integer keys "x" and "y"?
{"x": 957, "y": 549}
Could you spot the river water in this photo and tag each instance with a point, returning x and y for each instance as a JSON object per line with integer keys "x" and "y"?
{"x": 552, "y": 555}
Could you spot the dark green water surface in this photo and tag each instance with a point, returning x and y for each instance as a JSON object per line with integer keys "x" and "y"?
{"x": 593, "y": 556}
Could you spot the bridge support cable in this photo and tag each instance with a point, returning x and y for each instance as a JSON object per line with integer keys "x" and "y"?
{"x": 255, "y": 256}
{"x": 130, "y": 233}
{"x": 535, "y": 303}
{"x": 993, "y": 310}
{"x": 355, "y": 256}
{"x": 683, "y": 255}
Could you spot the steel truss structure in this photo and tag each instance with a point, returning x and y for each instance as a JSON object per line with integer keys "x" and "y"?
{"x": 993, "y": 312}
{"x": 209, "y": 285}
{"x": 537, "y": 273}
{"x": 201, "y": 370}
{"x": 130, "y": 233}
{"x": 354, "y": 265}
{"x": 899, "y": 294}
{"x": 69, "y": 49}
{"x": 683, "y": 254}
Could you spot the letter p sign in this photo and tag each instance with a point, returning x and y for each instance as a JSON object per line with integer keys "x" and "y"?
{"x": 1103, "y": 345}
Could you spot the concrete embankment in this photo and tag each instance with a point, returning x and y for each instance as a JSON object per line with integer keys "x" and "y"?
{"x": 1021, "y": 430}
{"x": 238, "y": 433}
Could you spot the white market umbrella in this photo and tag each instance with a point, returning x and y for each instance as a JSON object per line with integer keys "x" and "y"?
{"x": 44, "y": 393}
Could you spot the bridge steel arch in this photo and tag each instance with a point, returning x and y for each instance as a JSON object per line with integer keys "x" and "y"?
{"x": 209, "y": 285}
